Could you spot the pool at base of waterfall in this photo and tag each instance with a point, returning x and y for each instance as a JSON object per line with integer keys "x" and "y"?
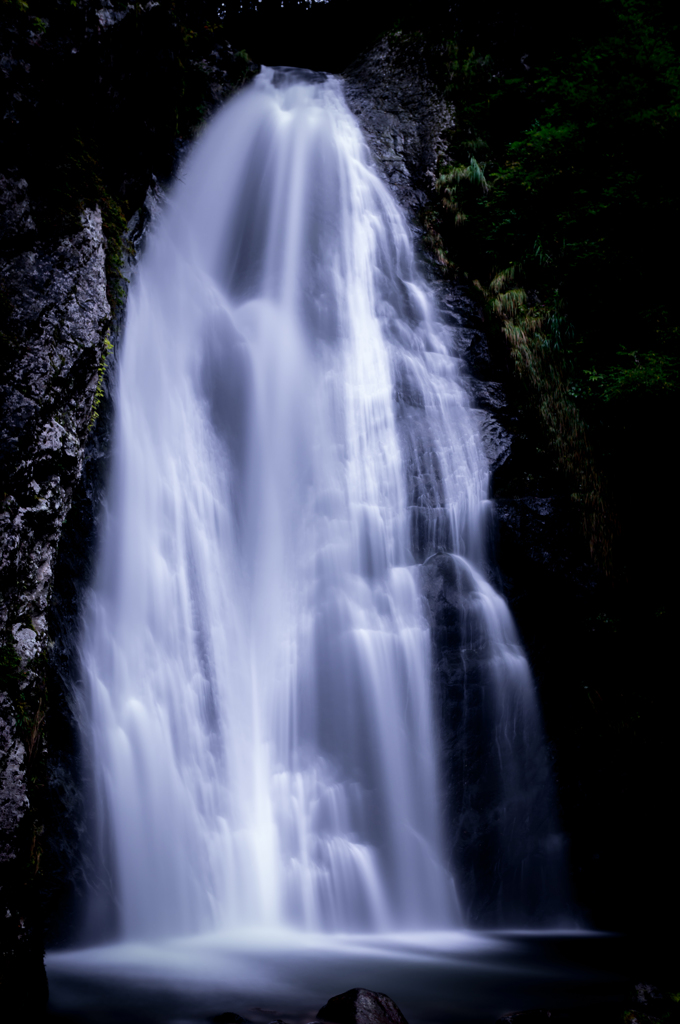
{"x": 434, "y": 977}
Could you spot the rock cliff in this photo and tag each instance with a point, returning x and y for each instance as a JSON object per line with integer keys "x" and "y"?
{"x": 56, "y": 317}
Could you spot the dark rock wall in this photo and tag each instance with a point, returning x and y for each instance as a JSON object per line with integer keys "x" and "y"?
{"x": 56, "y": 326}
{"x": 403, "y": 115}
{"x": 70, "y": 875}
{"x": 56, "y": 315}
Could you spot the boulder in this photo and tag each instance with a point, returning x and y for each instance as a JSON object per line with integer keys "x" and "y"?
{"x": 361, "y": 1006}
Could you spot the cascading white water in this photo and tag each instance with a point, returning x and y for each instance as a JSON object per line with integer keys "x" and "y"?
{"x": 291, "y": 440}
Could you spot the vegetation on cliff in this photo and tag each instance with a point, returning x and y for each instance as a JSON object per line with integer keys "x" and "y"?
{"x": 565, "y": 230}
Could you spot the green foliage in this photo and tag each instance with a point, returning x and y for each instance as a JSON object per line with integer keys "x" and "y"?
{"x": 579, "y": 190}
{"x": 28, "y": 704}
{"x": 556, "y": 199}
{"x": 10, "y": 670}
{"x": 647, "y": 374}
{"x": 101, "y": 373}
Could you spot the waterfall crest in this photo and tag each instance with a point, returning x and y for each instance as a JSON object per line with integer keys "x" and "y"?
{"x": 292, "y": 443}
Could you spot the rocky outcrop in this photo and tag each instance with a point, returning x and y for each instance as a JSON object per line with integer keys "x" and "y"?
{"x": 403, "y": 114}
{"x": 67, "y": 831}
{"x": 56, "y": 317}
{"x": 54, "y": 323}
{"x": 361, "y": 1006}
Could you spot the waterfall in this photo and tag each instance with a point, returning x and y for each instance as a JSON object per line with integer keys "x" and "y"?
{"x": 292, "y": 445}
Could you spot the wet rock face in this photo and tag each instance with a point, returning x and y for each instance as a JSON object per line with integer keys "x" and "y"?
{"x": 55, "y": 328}
{"x": 16, "y": 221}
{"x": 54, "y": 317}
{"x": 68, "y": 832}
{"x": 403, "y": 114}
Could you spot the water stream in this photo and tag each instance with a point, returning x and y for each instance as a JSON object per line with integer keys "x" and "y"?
{"x": 293, "y": 443}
